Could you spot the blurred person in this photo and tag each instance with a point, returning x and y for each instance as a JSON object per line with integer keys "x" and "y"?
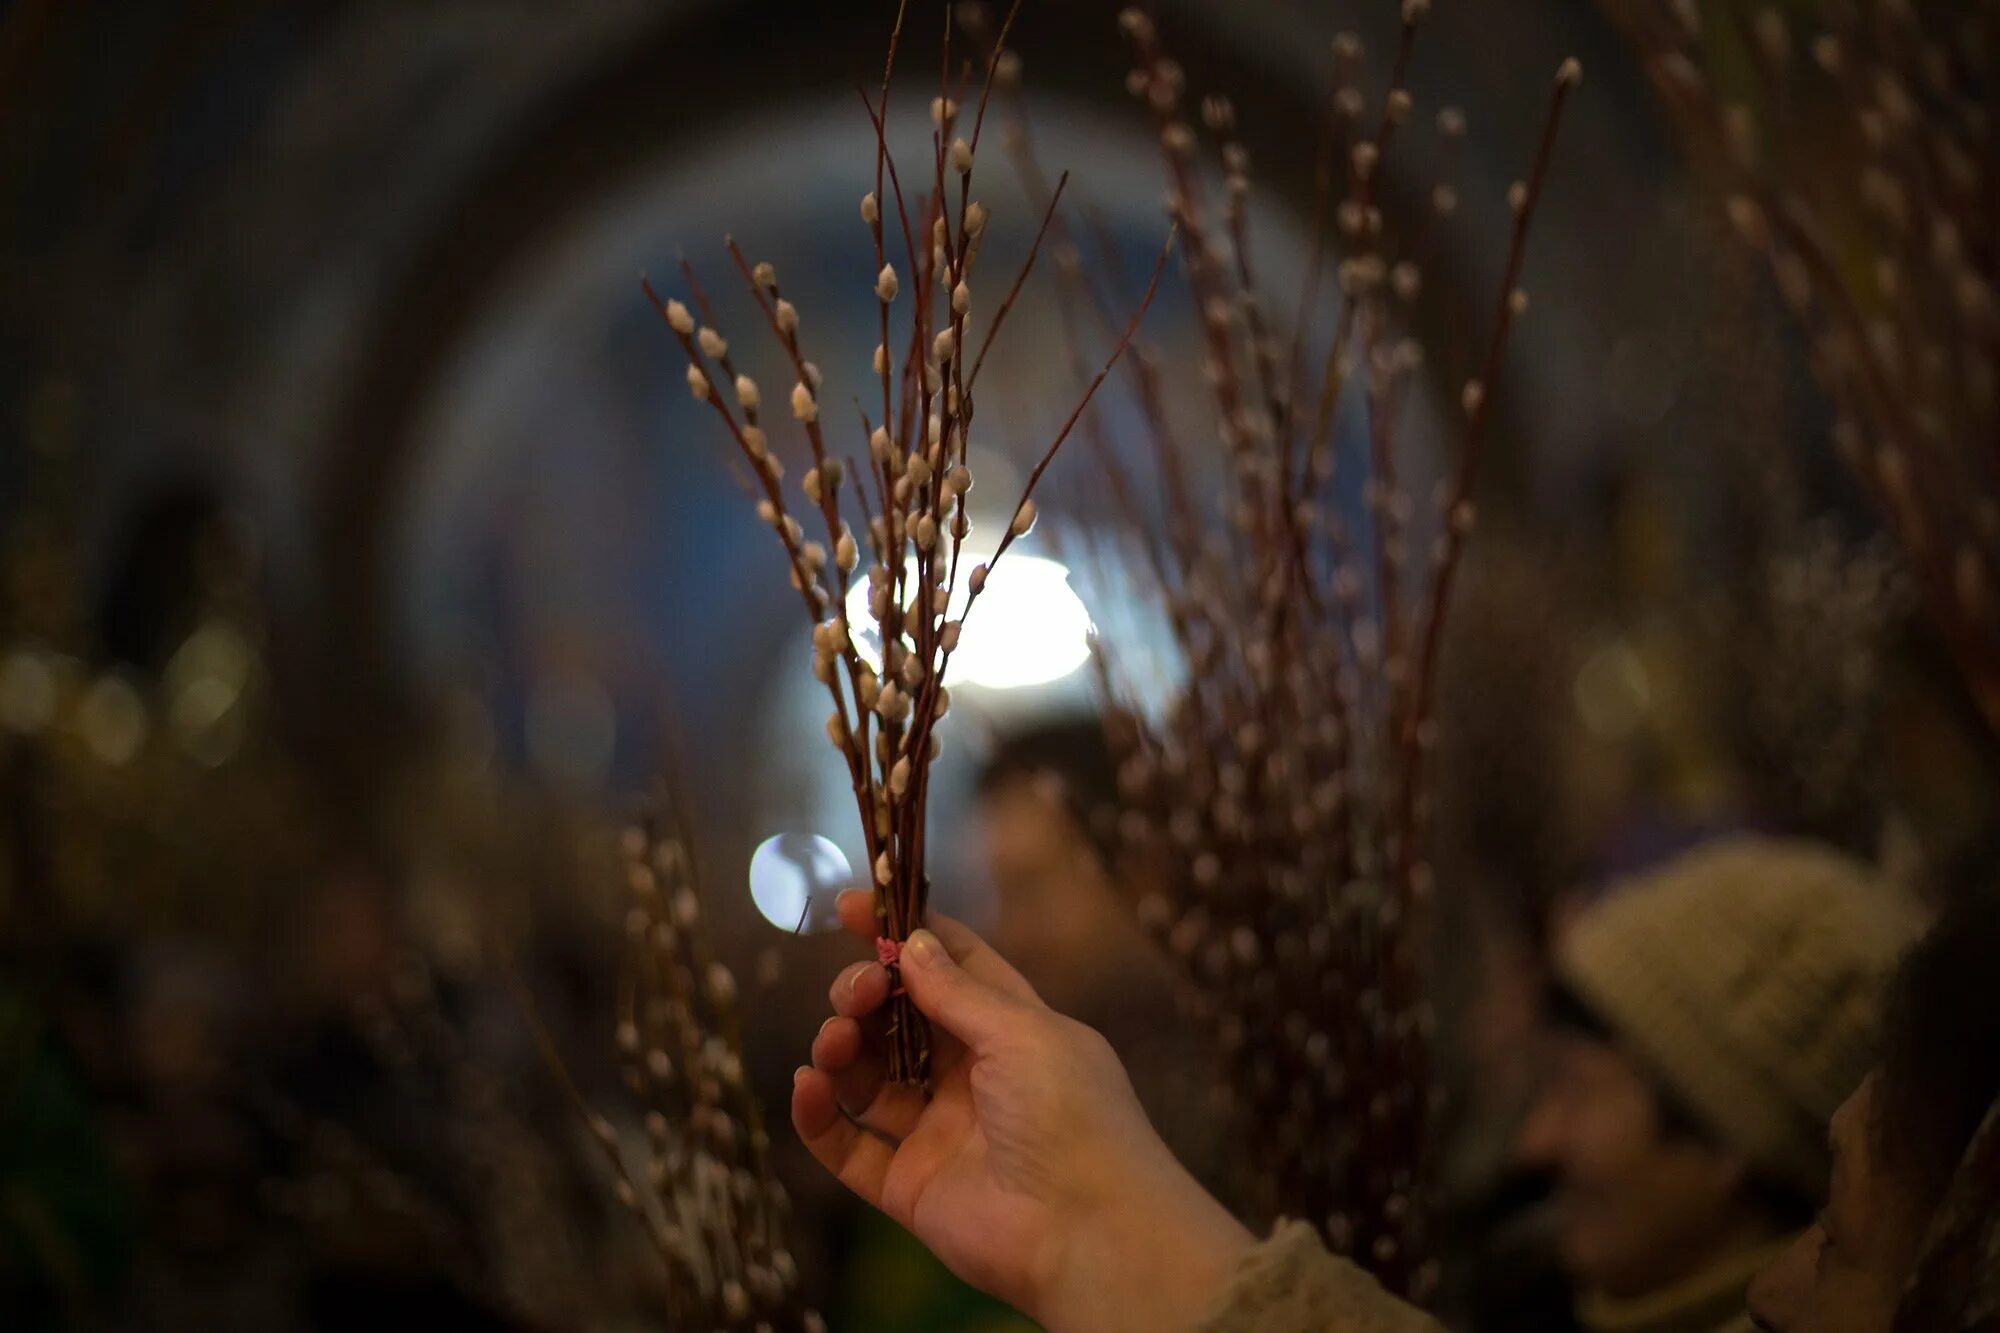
{"x": 1064, "y": 897}
{"x": 1066, "y": 894}
{"x": 1710, "y": 1016}
{"x": 1029, "y": 1167}
{"x": 1044, "y": 794}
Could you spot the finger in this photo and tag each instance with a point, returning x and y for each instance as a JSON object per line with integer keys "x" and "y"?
{"x": 856, "y": 908}
{"x": 837, "y": 1044}
{"x": 842, "y": 1051}
{"x": 852, "y": 1056}
{"x": 860, "y": 989}
{"x": 969, "y": 1007}
{"x": 856, "y": 1158}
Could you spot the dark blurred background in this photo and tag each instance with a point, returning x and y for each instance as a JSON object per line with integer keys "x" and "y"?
{"x": 365, "y": 557}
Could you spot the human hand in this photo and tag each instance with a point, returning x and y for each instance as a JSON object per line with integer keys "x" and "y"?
{"x": 1030, "y": 1170}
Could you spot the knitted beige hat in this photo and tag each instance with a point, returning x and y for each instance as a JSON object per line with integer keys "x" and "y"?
{"x": 1747, "y": 975}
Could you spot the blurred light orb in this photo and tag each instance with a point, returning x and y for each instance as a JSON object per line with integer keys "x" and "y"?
{"x": 794, "y": 879}
{"x": 205, "y": 717}
{"x": 27, "y": 692}
{"x": 1030, "y": 627}
{"x": 112, "y": 721}
{"x": 1613, "y": 691}
{"x": 217, "y": 653}
{"x": 204, "y": 683}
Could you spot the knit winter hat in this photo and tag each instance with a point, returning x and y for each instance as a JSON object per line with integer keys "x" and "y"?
{"x": 1746, "y": 976}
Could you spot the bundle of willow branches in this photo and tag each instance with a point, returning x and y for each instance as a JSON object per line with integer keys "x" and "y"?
{"x": 909, "y": 486}
{"x": 1285, "y": 786}
{"x": 1859, "y": 158}
{"x": 702, "y": 1186}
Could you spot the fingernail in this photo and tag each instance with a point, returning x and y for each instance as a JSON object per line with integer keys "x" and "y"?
{"x": 800, "y": 1073}
{"x": 924, "y": 947}
{"x": 824, "y": 1026}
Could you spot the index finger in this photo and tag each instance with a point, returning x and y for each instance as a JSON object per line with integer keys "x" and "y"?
{"x": 857, "y": 913}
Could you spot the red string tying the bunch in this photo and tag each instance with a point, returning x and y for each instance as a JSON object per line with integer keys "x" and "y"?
{"x": 889, "y": 953}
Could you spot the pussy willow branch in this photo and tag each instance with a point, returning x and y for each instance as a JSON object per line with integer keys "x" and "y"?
{"x": 1476, "y": 399}
{"x": 1278, "y": 780}
{"x": 884, "y": 721}
{"x": 698, "y": 1178}
{"x": 1857, "y": 151}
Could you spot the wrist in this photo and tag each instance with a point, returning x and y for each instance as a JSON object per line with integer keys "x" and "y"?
{"x": 1150, "y": 1251}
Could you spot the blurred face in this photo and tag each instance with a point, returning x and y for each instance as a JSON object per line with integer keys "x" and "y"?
{"x": 1639, "y": 1210}
{"x": 1061, "y": 917}
{"x": 1052, "y": 890}
{"x": 1847, "y": 1273}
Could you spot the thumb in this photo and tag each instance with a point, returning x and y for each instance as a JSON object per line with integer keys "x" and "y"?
{"x": 970, "y": 1009}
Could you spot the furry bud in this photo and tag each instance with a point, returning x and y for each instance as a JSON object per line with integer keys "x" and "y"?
{"x": 803, "y": 405}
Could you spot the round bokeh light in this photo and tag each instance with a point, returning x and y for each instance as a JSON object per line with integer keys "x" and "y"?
{"x": 794, "y": 879}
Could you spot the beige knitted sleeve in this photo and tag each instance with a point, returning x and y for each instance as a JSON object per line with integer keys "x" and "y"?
{"x": 1290, "y": 1284}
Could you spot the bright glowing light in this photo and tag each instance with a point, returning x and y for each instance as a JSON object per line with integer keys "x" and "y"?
{"x": 794, "y": 878}
{"x": 1030, "y": 627}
